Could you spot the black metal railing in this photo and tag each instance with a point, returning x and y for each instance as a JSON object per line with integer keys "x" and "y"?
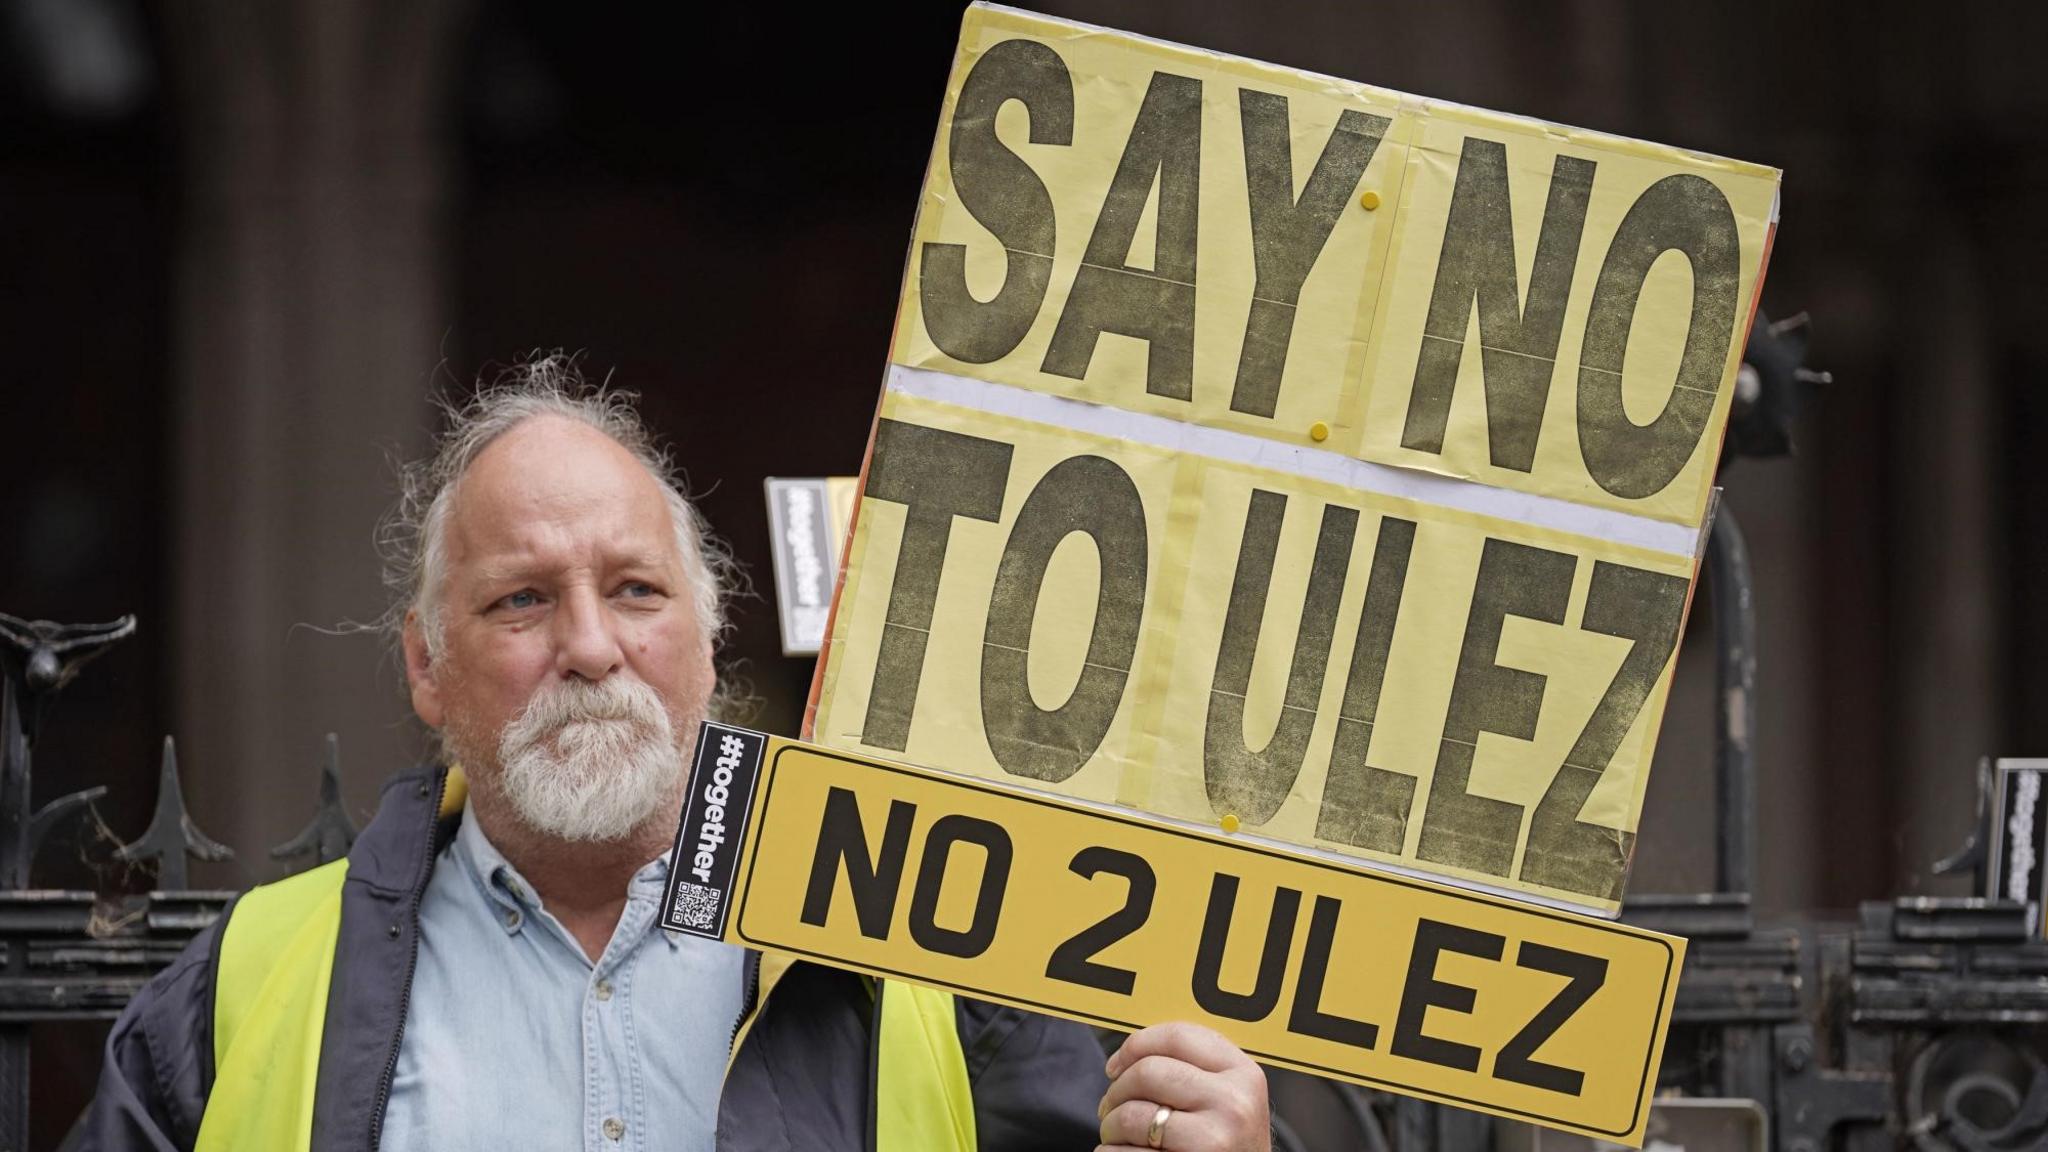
{"x": 70, "y": 955}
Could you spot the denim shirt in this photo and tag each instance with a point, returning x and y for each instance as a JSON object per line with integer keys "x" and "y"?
{"x": 514, "y": 1039}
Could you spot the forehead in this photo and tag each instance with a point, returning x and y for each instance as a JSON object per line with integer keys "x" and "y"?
{"x": 552, "y": 486}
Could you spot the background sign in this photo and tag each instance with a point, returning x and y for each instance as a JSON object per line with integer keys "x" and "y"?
{"x": 807, "y": 522}
{"x": 1267, "y": 449}
{"x": 1120, "y": 920}
{"x": 2018, "y": 868}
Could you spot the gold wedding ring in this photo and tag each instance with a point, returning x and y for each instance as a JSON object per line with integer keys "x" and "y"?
{"x": 1155, "y": 1132}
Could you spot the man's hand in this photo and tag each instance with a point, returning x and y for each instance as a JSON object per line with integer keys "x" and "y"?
{"x": 1217, "y": 1096}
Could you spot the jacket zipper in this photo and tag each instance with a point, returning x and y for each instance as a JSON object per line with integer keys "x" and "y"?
{"x": 412, "y": 963}
{"x": 753, "y": 986}
{"x": 872, "y": 1135}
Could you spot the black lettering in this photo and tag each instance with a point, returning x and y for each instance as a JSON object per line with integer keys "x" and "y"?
{"x": 1458, "y": 828}
{"x": 1074, "y": 961}
{"x": 1646, "y": 608}
{"x": 1289, "y": 233}
{"x": 937, "y": 475}
{"x": 1364, "y": 806}
{"x": 1001, "y": 191}
{"x": 931, "y": 875}
{"x": 843, "y": 845}
{"x": 1258, "y": 1003}
{"x": 1517, "y": 339}
{"x": 1585, "y": 974}
{"x": 1424, "y": 991}
{"x": 1251, "y": 784}
{"x": 1156, "y": 304}
{"x": 1685, "y": 214}
{"x": 1085, "y": 494}
{"x": 1307, "y": 1018}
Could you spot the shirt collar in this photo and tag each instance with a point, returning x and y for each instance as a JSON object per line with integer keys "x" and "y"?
{"x": 494, "y": 875}
{"x": 499, "y": 881}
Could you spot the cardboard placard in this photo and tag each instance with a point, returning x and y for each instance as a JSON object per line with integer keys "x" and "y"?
{"x": 1267, "y": 447}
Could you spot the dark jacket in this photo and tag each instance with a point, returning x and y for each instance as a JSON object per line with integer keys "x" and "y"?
{"x": 802, "y": 1079}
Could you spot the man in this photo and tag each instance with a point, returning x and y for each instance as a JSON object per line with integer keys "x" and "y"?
{"x": 483, "y": 971}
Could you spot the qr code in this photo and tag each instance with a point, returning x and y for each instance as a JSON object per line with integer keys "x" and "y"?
{"x": 696, "y": 907}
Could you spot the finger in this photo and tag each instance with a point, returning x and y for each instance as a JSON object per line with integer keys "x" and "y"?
{"x": 1163, "y": 1080}
{"x": 1205, "y": 1048}
{"x": 1130, "y": 1123}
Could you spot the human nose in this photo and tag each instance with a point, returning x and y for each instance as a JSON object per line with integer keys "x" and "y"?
{"x": 585, "y": 645}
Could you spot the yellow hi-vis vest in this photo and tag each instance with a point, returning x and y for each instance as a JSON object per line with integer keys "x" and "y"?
{"x": 270, "y": 1007}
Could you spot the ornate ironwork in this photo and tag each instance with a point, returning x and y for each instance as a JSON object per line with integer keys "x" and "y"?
{"x": 172, "y": 836}
{"x": 71, "y": 955}
{"x": 329, "y": 834}
{"x": 1977, "y": 1092}
{"x": 38, "y": 658}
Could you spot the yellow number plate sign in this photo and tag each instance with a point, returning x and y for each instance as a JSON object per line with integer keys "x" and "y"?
{"x": 1264, "y": 448}
{"x": 1122, "y": 920}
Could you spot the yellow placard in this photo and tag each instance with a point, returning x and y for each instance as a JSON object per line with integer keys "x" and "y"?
{"x": 1571, "y": 313}
{"x": 1123, "y": 921}
{"x": 1209, "y": 239}
{"x": 1210, "y": 638}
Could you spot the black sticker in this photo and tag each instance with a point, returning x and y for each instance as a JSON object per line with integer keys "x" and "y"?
{"x": 714, "y": 824}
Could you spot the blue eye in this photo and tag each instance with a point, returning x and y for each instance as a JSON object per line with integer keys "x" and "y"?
{"x": 524, "y": 598}
{"x": 638, "y": 589}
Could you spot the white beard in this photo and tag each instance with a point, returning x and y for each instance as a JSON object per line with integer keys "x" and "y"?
{"x": 591, "y": 762}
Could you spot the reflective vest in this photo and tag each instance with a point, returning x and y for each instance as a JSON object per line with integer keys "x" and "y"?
{"x": 270, "y": 1007}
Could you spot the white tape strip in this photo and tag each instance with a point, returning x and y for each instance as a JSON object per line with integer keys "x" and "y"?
{"x": 1312, "y": 463}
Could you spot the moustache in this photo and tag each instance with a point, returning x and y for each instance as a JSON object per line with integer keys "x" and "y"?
{"x": 565, "y": 704}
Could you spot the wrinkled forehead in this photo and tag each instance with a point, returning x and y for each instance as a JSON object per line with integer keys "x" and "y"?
{"x": 552, "y": 489}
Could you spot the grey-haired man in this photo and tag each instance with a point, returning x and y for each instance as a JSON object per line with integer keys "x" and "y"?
{"x": 484, "y": 970}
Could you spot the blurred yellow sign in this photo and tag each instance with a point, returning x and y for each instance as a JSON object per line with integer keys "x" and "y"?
{"x": 1118, "y": 920}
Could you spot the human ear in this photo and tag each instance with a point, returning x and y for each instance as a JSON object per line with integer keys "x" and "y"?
{"x": 421, "y": 672}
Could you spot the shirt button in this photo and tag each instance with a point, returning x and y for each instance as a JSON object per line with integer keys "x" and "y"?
{"x": 613, "y": 1128}
{"x": 512, "y": 919}
{"x": 604, "y": 989}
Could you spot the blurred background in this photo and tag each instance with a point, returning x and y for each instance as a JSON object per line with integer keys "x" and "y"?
{"x": 243, "y": 242}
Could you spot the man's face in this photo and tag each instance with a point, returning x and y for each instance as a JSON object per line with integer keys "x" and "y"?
{"x": 563, "y": 593}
